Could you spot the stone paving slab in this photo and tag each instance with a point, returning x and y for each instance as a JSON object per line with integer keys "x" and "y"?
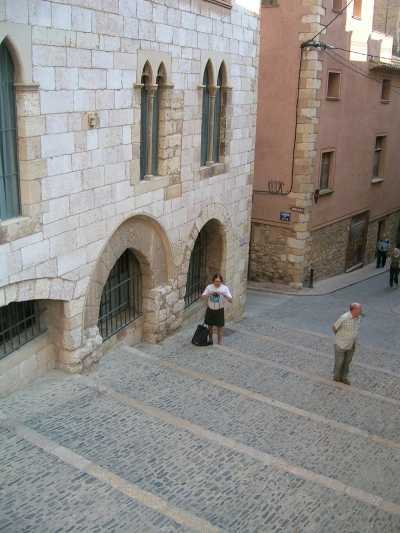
{"x": 229, "y": 490}
{"x": 39, "y": 493}
{"x": 320, "y": 364}
{"x": 350, "y": 458}
{"x": 368, "y": 354}
{"x": 341, "y": 404}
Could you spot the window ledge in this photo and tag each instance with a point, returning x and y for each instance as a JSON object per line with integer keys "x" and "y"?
{"x": 377, "y": 180}
{"x": 385, "y": 101}
{"x": 333, "y": 98}
{"x": 18, "y": 227}
{"x": 215, "y": 169}
{"x": 151, "y": 183}
{"x": 326, "y": 192}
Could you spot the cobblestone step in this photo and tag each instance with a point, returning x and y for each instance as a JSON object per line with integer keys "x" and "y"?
{"x": 340, "y": 403}
{"x": 40, "y": 493}
{"x": 316, "y": 363}
{"x": 309, "y": 443}
{"x": 227, "y": 488}
{"x": 321, "y": 343}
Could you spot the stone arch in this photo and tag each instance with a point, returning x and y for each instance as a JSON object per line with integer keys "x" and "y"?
{"x": 209, "y": 68}
{"x": 162, "y": 73}
{"x": 216, "y": 216}
{"x": 147, "y": 240}
{"x": 37, "y": 289}
{"x": 147, "y": 77}
{"x": 17, "y": 38}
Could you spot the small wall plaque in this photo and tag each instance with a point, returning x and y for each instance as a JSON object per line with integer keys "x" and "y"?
{"x": 285, "y": 216}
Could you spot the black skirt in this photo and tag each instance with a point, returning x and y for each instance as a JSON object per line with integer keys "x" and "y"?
{"x": 215, "y": 317}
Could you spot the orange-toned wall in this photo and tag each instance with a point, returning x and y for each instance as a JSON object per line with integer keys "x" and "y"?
{"x": 348, "y": 126}
{"x": 276, "y": 118}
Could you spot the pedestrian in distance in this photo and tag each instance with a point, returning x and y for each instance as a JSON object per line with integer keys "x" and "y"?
{"x": 382, "y": 249}
{"x": 216, "y": 294}
{"x": 346, "y": 332}
{"x": 394, "y": 268}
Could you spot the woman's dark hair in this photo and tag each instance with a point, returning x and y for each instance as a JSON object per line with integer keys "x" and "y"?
{"x": 215, "y": 276}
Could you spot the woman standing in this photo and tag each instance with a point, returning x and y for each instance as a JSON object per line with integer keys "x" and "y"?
{"x": 394, "y": 267}
{"x": 216, "y": 295}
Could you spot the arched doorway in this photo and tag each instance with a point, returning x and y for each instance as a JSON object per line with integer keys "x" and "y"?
{"x": 205, "y": 260}
{"x": 121, "y": 299}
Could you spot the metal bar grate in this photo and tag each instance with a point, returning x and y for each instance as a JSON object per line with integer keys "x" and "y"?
{"x": 121, "y": 300}
{"x": 197, "y": 273}
{"x": 19, "y": 323}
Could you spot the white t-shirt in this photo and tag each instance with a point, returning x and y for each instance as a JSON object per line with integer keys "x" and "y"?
{"x": 216, "y": 296}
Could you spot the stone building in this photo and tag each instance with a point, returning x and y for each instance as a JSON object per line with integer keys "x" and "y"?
{"x": 127, "y": 150}
{"x": 327, "y": 158}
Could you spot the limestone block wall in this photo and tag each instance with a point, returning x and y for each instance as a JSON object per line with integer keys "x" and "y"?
{"x": 329, "y": 247}
{"x": 391, "y": 229}
{"x": 78, "y": 107}
{"x": 268, "y": 254}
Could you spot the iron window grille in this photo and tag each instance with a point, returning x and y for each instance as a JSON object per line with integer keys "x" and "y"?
{"x": 121, "y": 300}
{"x": 197, "y": 273}
{"x": 19, "y": 324}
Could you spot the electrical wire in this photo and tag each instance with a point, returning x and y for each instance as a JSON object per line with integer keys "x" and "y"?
{"x": 361, "y": 53}
{"x": 346, "y": 64}
{"x": 326, "y": 26}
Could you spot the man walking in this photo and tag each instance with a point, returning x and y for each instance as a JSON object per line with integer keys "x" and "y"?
{"x": 382, "y": 248}
{"x": 346, "y": 332}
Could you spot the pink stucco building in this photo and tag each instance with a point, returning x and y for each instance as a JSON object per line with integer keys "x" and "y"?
{"x": 327, "y": 171}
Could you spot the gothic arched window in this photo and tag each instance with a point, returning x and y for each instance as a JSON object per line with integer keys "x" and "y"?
{"x": 205, "y": 118}
{"x": 151, "y": 94}
{"x": 9, "y": 189}
{"x": 213, "y": 116}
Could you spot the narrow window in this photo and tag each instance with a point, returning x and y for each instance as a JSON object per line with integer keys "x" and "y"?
{"x": 205, "y": 119}
{"x": 333, "y": 90}
{"x": 9, "y": 190}
{"x": 121, "y": 300}
{"x": 386, "y": 88}
{"x": 379, "y": 156}
{"x": 326, "y": 170}
{"x": 144, "y": 120}
{"x": 357, "y": 9}
{"x": 218, "y": 115}
{"x": 19, "y": 323}
{"x": 337, "y": 5}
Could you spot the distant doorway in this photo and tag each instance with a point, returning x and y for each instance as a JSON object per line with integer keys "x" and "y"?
{"x": 357, "y": 241}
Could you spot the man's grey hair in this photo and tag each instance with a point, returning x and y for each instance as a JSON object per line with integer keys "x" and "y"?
{"x": 354, "y": 305}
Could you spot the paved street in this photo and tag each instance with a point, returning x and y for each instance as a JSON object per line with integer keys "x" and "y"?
{"x": 250, "y": 437}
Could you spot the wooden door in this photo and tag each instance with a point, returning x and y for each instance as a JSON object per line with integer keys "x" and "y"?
{"x": 357, "y": 241}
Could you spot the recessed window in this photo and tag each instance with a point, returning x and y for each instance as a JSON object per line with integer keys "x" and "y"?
{"x": 325, "y": 176}
{"x": 337, "y": 5}
{"x": 213, "y": 117}
{"x": 269, "y": 3}
{"x": 379, "y": 158}
{"x": 121, "y": 299}
{"x": 333, "y": 89}
{"x": 19, "y": 323}
{"x": 386, "y": 89}
{"x": 9, "y": 186}
{"x": 357, "y": 9}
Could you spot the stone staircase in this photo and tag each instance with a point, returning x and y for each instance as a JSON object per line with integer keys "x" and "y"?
{"x": 253, "y": 436}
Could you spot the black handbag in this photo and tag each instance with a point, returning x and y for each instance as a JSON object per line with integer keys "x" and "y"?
{"x": 200, "y": 337}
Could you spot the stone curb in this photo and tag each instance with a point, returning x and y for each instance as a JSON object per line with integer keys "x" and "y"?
{"x": 310, "y": 292}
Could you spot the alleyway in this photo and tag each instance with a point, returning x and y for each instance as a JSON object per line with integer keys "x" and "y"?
{"x": 250, "y": 437}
